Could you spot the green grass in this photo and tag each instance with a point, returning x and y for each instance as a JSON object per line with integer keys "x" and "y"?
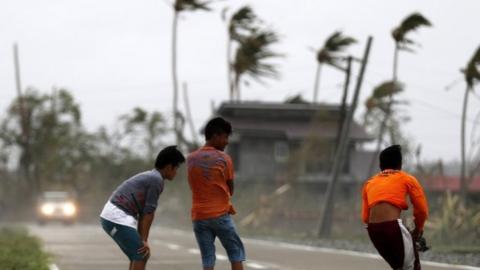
{"x": 20, "y": 251}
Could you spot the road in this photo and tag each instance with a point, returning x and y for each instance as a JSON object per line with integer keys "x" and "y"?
{"x": 87, "y": 247}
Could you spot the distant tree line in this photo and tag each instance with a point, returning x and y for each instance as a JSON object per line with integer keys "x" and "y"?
{"x": 63, "y": 154}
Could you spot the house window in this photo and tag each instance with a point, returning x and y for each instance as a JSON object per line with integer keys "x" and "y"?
{"x": 281, "y": 151}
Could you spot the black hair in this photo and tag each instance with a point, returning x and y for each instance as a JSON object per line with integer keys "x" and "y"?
{"x": 217, "y": 125}
{"x": 169, "y": 155}
{"x": 391, "y": 158}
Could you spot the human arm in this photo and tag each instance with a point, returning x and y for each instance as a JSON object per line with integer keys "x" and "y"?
{"x": 231, "y": 186}
{"x": 420, "y": 206}
{"x": 146, "y": 217}
{"x": 229, "y": 174}
{"x": 144, "y": 224}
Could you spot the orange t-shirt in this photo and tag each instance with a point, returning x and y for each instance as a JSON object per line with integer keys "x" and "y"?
{"x": 392, "y": 186}
{"x": 208, "y": 172}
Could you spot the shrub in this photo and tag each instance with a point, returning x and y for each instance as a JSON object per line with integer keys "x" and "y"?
{"x": 19, "y": 250}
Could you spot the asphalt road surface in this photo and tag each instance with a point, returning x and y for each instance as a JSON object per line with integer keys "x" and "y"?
{"x": 87, "y": 247}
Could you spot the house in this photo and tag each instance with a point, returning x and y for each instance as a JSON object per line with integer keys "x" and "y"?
{"x": 276, "y": 141}
{"x": 448, "y": 183}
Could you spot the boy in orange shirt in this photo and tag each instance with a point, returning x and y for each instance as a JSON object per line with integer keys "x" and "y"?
{"x": 210, "y": 175}
{"x": 383, "y": 199}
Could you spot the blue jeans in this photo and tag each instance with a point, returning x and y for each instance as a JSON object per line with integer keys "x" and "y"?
{"x": 222, "y": 227}
{"x": 127, "y": 239}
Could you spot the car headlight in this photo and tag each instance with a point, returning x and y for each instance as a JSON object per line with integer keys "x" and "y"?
{"x": 69, "y": 209}
{"x": 47, "y": 209}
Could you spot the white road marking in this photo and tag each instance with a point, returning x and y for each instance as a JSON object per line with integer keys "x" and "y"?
{"x": 173, "y": 246}
{"x": 450, "y": 266}
{"x": 193, "y": 251}
{"x": 255, "y": 265}
{"x": 54, "y": 267}
{"x": 221, "y": 257}
{"x": 350, "y": 253}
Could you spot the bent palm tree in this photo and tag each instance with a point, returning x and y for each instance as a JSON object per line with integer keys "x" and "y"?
{"x": 250, "y": 58}
{"x": 329, "y": 54}
{"x": 402, "y": 43}
{"x": 378, "y": 106}
{"x": 151, "y": 126}
{"x": 409, "y": 24}
{"x": 472, "y": 76}
{"x": 241, "y": 24}
{"x": 178, "y": 7}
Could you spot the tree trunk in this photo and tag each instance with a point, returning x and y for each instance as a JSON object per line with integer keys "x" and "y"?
{"x": 381, "y": 132}
{"x": 26, "y": 159}
{"x": 463, "y": 178}
{"x": 174, "y": 76}
{"x": 317, "y": 83}
{"x": 189, "y": 115}
{"x": 395, "y": 62}
{"x": 237, "y": 87}
{"x": 383, "y": 125}
{"x": 229, "y": 70}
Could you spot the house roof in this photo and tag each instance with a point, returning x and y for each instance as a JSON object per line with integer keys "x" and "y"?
{"x": 294, "y": 121}
{"x": 451, "y": 183}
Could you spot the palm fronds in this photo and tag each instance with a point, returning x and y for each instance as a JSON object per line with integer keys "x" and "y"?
{"x": 334, "y": 45}
{"x": 410, "y": 23}
{"x": 472, "y": 72}
{"x": 252, "y": 53}
{"x": 191, "y": 5}
{"x": 241, "y": 23}
{"x": 381, "y": 95}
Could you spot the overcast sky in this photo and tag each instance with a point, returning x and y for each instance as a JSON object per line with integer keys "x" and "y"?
{"x": 114, "y": 55}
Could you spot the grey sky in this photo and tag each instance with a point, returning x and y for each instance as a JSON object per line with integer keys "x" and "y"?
{"x": 115, "y": 55}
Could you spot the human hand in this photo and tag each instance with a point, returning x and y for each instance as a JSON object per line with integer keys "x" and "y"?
{"x": 416, "y": 234}
{"x": 420, "y": 242}
{"x": 145, "y": 250}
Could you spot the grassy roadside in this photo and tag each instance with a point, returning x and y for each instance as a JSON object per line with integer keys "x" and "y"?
{"x": 19, "y": 250}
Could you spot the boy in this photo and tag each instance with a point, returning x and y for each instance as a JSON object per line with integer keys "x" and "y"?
{"x": 210, "y": 175}
{"x": 129, "y": 212}
{"x": 384, "y": 198}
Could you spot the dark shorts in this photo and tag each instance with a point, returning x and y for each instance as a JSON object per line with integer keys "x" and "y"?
{"x": 394, "y": 243}
{"x": 222, "y": 227}
{"x": 127, "y": 238}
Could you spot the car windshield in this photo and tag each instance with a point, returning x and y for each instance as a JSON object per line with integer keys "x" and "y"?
{"x": 55, "y": 196}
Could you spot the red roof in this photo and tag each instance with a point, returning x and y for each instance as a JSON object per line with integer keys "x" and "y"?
{"x": 451, "y": 183}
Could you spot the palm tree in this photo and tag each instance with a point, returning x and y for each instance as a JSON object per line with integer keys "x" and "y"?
{"x": 472, "y": 76}
{"x": 149, "y": 126}
{"x": 409, "y": 24}
{"x": 329, "y": 54}
{"x": 240, "y": 24}
{"x": 250, "y": 58}
{"x": 378, "y": 105}
{"x": 402, "y": 43}
{"x": 179, "y": 7}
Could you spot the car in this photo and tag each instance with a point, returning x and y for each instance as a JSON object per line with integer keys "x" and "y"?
{"x": 57, "y": 206}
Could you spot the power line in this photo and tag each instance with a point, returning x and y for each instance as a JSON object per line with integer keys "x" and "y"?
{"x": 437, "y": 108}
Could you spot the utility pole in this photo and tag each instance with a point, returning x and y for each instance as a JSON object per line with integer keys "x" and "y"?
{"x": 343, "y": 107}
{"x": 324, "y": 229}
